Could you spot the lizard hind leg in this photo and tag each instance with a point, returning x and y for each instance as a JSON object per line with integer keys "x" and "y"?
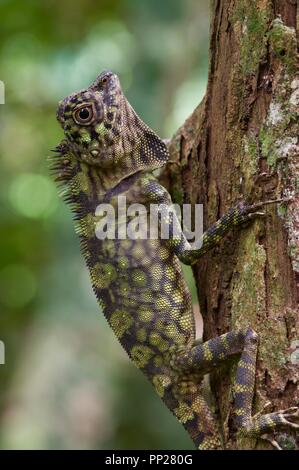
{"x": 203, "y": 358}
{"x": 190, "y": 365}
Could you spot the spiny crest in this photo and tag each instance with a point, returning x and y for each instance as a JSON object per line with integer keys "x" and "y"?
{"x": 64, "y": 168}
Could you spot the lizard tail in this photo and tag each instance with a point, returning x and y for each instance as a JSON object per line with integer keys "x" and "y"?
{"x": 194, "y": 414}
{"x": 200, "y": 424}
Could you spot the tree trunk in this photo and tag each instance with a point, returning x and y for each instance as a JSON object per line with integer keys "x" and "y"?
{"x": 241, "y": 142}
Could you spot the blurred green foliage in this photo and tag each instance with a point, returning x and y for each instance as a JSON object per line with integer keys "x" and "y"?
{"x": 66, "y": 382}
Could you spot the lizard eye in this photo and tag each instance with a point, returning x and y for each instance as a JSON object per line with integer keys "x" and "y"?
{"x": 84, "y": 115}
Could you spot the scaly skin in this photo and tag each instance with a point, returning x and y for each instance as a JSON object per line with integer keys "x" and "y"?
{"x": 109, "y": 152}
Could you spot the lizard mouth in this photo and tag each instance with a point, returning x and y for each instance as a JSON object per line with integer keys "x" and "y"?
{"x": 95, "y": 157}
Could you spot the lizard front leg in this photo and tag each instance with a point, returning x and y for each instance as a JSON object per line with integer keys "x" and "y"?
{"x": 237, "y": 216}
{"x": 205, "y": 357}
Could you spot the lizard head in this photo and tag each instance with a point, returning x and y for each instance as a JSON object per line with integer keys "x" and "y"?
{"x": 91, "y": 119}
{"x": 102, "y": 129}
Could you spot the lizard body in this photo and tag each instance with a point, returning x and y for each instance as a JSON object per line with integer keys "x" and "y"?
{"x": 109, "y": 152}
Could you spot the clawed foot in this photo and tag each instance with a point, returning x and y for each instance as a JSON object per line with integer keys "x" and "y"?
{"x": 258, "y": 205}
{"x": 289, "y": 414}
{"x": 266, "y": 407}
{"x": 250, "y": 212}
{"x": 273, "y": 442}
{"x": 284, "y": 418}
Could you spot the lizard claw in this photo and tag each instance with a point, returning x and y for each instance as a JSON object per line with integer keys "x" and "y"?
{"x": 271, "y": 201}
{"x": 252, "y": 211}
{"x": 267, "y": 423}
{"x": 265, "y": 407}
{"x": 284, "y": 418}
{"x": 269, "y": 438}
{"x": 265, "y": 203}
{"x": 287, "y": 417}
{"x": 253, "y": 215}
{"x": 290, "y": 414}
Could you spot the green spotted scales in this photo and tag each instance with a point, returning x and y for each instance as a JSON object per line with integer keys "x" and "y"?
{"x": 108, "y": 152}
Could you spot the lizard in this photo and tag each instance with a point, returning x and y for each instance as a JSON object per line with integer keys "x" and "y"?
{"x": 108, "y": 151}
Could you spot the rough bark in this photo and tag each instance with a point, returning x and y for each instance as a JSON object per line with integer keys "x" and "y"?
{"x": 241, "y": 142}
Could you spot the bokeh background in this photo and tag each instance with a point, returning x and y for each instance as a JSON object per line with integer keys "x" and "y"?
{"x": 66, "y": 382}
